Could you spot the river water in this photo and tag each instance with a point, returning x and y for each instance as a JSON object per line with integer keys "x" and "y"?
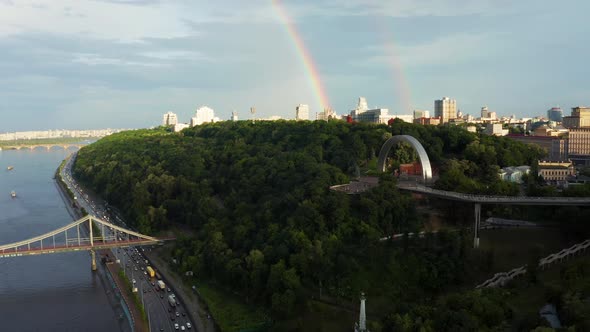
{"x": 56, "y": 292}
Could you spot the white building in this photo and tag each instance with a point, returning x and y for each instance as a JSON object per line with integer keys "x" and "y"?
{"x": 487, "y": 115}
{"x": 43, "y": 134}
{"x": 327, "y": 114}
{"x": 274, "y": 118}
{"x": 445, "y": 109}
{"x": 514, "y": 173}
{"x": 302, "y": 112}
{"x": 495, "y": 129}
{"x": 203, "y": 114}
{"x": 180, "y": 126}
{"x": 421, "y": 114}
{"x": 362, "y": 113}
{"x": 234, "y": 116}
{"x": 169, "y": 119}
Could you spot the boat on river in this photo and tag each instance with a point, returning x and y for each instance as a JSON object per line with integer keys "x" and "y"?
{"x": 13, "y": 194}
{"x": 9, "y": 168}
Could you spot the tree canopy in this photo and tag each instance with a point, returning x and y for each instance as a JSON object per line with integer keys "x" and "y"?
{"x": 265, "y": 223}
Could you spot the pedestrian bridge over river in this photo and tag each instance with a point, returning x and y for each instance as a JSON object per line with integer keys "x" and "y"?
{"x": 88, "y": 233}
{"x": 490, "y": 199}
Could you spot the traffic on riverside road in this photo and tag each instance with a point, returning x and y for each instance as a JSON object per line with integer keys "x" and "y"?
{"x": 164, "y": 309}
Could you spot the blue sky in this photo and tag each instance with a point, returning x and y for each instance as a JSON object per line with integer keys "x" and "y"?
{"x": 123, "y": 63}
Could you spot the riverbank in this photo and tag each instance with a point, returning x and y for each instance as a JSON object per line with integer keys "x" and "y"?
{"x": 135, "y": 319}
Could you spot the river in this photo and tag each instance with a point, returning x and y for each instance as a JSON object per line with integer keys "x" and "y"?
{"x": 56, "y": 292}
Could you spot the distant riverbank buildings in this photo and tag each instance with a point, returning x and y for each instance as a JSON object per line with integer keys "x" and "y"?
{"x": 302, "y": 112}
{"x": 445, "y": 109}
{"x": 362, "y": 113}
{"x": 59, "y": 133}
{"x": 169, "y": 119}
{"x": 203, "y": 114}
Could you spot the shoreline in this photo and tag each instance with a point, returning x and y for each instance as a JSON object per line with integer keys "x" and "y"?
{"x": 134, "y": 321}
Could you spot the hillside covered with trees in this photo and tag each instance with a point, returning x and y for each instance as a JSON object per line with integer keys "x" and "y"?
{"x": 265, "y": 225}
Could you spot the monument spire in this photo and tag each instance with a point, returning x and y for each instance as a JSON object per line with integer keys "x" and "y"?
{"x": 361, "y": 325}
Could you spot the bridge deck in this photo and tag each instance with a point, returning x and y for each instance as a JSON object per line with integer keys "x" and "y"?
{"x": 14, "y": 252}
{"x": 366, "y": 183}
{"x": 490, "y": 199}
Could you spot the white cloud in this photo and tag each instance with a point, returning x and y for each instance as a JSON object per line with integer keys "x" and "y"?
{"x": 406, "y": 8}
{"x": 103, "y": 20}
{"x": 97, "y": 60}
{"x": 143, "y": 108}
{"x": 174, "y": 55}
{"x": 446, "y": 50}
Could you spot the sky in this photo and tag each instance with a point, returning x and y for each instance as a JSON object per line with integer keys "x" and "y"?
{"x": 87, "y": 64}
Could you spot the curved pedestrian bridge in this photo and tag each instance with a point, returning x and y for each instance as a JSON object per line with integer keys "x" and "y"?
{"x": 490, "y": 199}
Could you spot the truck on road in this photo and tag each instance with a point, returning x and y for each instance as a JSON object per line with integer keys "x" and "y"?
{"x": 172, "y": 300}
{"x": 161, "y": 285}
{"x": 150, "y": 271}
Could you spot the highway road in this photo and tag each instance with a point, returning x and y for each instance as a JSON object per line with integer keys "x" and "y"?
{"x": 162, "y": 316}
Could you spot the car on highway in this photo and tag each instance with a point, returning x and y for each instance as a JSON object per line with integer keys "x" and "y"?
{"x": 188, "y": 325}
{"x": 177, "y": 314}
{"x": 176, "y": 326}
{"x": 182, "y": 328}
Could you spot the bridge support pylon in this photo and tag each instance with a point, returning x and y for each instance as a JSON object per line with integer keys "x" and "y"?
{"x": 476, "y": 225}
{"x": 93, "y": 254}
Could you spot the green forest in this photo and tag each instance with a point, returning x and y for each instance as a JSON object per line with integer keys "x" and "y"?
{"x": 265, "y": 226}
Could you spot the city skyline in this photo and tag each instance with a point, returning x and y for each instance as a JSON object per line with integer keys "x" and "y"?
{"x": 85, "y": 64}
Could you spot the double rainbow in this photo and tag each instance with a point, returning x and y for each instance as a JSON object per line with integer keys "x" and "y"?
{"x": 304, "y": 54}
{"x": 402, "y": 90}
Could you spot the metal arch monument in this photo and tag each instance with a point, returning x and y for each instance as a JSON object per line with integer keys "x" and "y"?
{"x": 424, "y": 161}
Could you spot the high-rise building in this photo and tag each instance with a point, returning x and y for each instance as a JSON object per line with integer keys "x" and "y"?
{"x": 445, "y": 109}
{"x": 302, "y": 112}
{"x": 169, "y": 119}
{"x": 555, "y": 114}
{"x": 580, "y": 118}
{"x": 327, "y": 114}
{"x": 487, "y": 115}
{"x": 203, "y": 114}
{"x": 421, "y": 114}
{"x": 234, "y": 116}
{"x": 579, "y": 146}
{"x": 558, "y": 151}
{"x": 362, "y": 105}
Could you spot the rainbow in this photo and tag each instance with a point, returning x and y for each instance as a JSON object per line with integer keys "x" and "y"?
{"x": 306, "y": 58}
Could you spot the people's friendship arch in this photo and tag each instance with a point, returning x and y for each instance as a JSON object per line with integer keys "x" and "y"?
{"x": 424, "y": 161}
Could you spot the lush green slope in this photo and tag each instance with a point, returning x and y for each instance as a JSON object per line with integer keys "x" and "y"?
{"x": 265, "y": 224}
